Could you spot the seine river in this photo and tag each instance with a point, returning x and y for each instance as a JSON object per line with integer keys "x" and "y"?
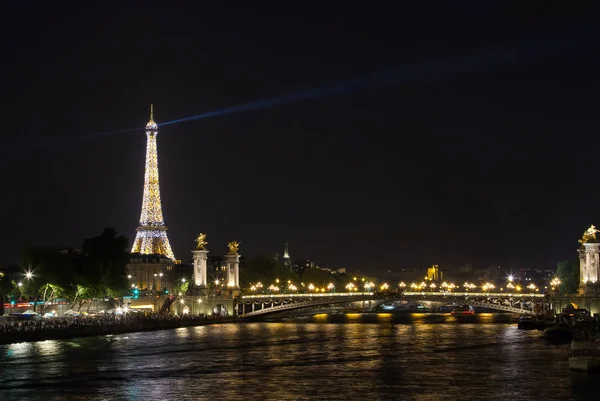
{"x": 298, "y": 361}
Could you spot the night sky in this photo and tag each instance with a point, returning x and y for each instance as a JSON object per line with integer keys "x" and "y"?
{"x": 477, "y": 143}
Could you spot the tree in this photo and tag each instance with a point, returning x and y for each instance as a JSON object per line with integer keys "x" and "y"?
{"x": 51, "y": 275}
{"x": 265, "y": 270}
{"x": 568, "y": 273}
{"x": 102, "y": 270}
{"x": 6, "y": 288}
{"x": 318, "y": 277}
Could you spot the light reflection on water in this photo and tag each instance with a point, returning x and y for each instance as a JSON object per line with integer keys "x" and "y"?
{"x": 290, "y": 361}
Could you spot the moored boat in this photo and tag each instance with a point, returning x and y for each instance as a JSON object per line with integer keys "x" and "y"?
{"x": 463, "y": 310}
{"x": 585, "y": 355}
{"x": 528, "y": 322}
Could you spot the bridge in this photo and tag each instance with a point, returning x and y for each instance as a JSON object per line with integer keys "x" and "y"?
{"x": 260, "y": 305}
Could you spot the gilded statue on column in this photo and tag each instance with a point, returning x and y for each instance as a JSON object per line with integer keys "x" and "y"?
{"x": 589, "y": 235}
{"x": 201, "y": 241}
{"x": 233, "y": 246}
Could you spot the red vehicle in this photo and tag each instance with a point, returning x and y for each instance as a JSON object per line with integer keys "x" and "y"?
{"x": 463, "y": 310}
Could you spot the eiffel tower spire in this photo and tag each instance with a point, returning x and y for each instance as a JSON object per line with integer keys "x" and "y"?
{"x": 151, "y": 237}
{"x": 286, "y": 257}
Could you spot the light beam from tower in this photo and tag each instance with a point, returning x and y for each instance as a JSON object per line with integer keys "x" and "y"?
{"x": 151, "y": 237}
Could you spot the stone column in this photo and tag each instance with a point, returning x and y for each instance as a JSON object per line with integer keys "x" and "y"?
{"x": 582, "y": 266}
{"x": 200, "y": 257}
{"x": 593, "y": 250}
{"x": 233, "y": 270}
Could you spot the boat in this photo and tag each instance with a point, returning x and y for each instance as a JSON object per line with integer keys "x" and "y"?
{"x": 528, "y": 322}
{"x": 585, "y": 355}
{"x": 463, "y": 310}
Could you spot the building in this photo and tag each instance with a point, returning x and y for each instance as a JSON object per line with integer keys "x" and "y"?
{"x": 434, "y": 273}
{"x": 152, "y": 258}
{"x": 150, "y": 272}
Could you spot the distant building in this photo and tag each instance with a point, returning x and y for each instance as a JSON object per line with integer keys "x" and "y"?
{"x": 468, "y": 268}
{"x": 434, "y": 273}
{"x": 149, "y": 272}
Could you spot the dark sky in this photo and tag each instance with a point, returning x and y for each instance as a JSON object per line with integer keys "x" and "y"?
{"x": 479, "y": 144}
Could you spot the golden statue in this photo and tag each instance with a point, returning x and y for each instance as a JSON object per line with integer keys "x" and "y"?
{"x": 233, "y": 246}
{"x": 589, "y": 235}
{"x": 201, "y": 241}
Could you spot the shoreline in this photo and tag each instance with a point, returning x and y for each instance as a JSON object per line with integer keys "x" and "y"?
{"x": 77, "y": 332}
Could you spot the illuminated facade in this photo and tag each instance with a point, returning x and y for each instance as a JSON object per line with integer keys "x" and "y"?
{"x": 151, "y": 237}
{"x": 434, "y": 273}
{"x": 589, "y": 260}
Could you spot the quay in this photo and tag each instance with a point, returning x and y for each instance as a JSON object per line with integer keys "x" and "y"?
{"x": 107, "y": 329}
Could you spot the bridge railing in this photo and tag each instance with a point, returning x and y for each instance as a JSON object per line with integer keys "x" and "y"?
{"x": 475, "y": 294}
{"x": 406, "y": 293}
{"x": 309, "y": 295}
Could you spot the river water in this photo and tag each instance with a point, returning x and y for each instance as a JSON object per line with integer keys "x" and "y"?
{"x": 298, "y": 361}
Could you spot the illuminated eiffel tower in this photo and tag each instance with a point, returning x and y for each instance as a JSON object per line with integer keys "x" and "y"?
{"x": 151, "y": 235}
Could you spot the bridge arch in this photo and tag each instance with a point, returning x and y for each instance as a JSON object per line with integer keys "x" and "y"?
{"x": 287, "y": 302}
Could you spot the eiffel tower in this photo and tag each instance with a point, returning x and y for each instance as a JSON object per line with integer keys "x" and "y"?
{"x": 151, "y": 237}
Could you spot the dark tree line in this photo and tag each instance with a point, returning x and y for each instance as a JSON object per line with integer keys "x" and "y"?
{"x": 98, "y": 270}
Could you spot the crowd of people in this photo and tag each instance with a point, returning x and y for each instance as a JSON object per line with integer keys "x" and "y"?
{"x": 20, "y": 324}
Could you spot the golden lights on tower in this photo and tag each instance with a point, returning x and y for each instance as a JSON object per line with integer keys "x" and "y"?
{"x": 151, "y": 237}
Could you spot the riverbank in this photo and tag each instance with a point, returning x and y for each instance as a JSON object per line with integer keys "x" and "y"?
{"x": 119, "y": 328}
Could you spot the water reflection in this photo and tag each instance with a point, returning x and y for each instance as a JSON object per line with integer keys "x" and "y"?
{"x": 48, "y": 347}
{"x": 287, "y": 361}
